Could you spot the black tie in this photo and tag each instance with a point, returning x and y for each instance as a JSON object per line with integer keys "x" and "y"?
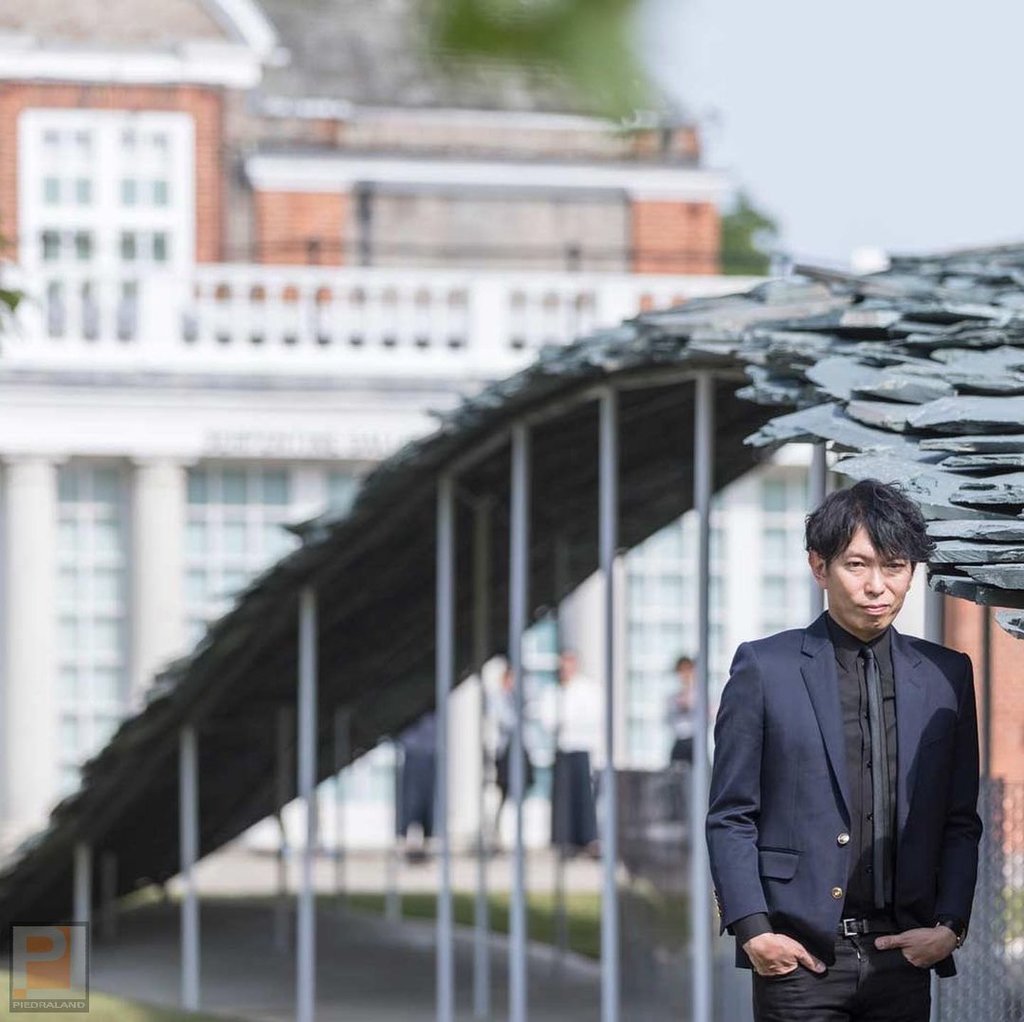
{"x": 880, "y": 810}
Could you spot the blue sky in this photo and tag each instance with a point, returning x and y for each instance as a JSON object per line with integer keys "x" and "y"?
{"x": 890, "y": 124}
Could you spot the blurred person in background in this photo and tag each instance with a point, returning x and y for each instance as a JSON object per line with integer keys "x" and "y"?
{"x": 504, "y": 715}
{"x": 416, "y": 794}
{"x": 679, "y": 712}
{"x": 576, "y": 709}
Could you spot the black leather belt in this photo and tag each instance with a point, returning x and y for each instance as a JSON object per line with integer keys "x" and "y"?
{"x": 862, "y": 927}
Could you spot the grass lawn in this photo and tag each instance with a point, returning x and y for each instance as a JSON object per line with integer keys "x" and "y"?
{"x": 660, "y": 915}
{"x": 104, "y": 1008}
{"x": 1015, "y": 912}
{"x": 583, "y": 914}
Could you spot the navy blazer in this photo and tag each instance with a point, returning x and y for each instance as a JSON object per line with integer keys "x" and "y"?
{"x": 779, "y": 796}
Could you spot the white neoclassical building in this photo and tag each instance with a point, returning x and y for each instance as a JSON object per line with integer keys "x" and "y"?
{"x": 251, "y": 271}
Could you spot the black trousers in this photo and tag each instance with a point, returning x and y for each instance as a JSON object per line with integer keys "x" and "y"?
{"x": 416, "y": 792}
{"x": 573, "y": 813}
{"x": 865, "y": 985}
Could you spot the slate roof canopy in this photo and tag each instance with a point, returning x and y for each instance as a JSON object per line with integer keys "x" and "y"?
{"x": 916, "y": 376}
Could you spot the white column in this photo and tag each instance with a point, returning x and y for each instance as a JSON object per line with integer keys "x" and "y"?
{"x": 582, "y": 624}
{"x": 620, "y": 678}
{"x": 158, "y": 570}
{"x": 465, "y": 763}
{"x": 29, "y": 746}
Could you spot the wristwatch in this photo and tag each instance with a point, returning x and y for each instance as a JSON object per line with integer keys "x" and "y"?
{"x": 958, "y": 926}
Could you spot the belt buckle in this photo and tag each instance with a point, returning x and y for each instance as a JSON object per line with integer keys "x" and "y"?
{"x": 850, "y": 927}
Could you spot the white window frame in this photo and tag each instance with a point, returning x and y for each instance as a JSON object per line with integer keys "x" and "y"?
{"x": 85, "y": 658}
{"x": 105, "y": 216}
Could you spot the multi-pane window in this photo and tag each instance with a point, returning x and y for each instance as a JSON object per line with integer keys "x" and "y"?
{"x": 233, "y": 531}
{"x": 661, "y": 600}
{"x": 92, "y": 609}
{"x": 540, "y": 675}
{"x": 784, "y": 578}
{"x": 757, "y": 567}
{"x": 107, "y": 199}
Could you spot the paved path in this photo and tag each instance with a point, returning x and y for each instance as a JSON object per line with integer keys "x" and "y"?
{"x": 368, "y": 970}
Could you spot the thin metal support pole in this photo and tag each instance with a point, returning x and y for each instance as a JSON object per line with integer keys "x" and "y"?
{"x": 609, "y": 529}
{"x": 817, "y": 490}
{"x": 305, "y": 963}
{"x": 561, "y": 849}
{"x": 188, "y": 801}
{"x": 518, "y": 590}
{"x": 986, "y": 692}
{"x": 700, "y": 893}
{"x": 444, "y": 677}
{"x": 392, "y": 894}
{"x": 108, "y": 895}
{"x": 284, "y": 736}
{"x": 342, "y": 752}
{"x": 481, "y": 629}
{"x": 82, "y": 886}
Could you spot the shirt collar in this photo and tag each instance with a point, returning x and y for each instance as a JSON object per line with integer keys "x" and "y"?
{"x": 848, "y": 646}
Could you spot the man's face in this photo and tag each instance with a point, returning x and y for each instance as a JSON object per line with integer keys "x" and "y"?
{"x": 865, "y": 590}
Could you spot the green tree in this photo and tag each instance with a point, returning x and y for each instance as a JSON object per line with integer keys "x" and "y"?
{"x": 748, "y": 237}
{"x": 586, "y": 42}
{"x": 9, "y": 298}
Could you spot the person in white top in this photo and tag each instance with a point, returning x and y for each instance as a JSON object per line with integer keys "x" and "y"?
{"x": 579, "y": 749}
{"x": 503, "y": 712}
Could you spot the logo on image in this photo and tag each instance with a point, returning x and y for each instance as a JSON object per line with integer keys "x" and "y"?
{"x": 49, "y": 967}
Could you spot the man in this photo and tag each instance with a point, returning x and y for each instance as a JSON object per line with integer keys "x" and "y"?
{"x": 504, "y": 713}
{"x": 575, "y": 714}
{"x": 679, "y": 712}
{"x": 842, "y": 827}
{"x": 416, "y": 784}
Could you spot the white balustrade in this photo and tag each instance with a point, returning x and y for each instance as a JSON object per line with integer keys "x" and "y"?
{"x": 253, "y": 318}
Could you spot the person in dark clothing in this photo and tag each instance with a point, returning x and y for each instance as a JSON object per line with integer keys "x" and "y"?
{"x": 679, "y": 713}
{"x": 416, "y": 786}
{"x": 842, "y": 827}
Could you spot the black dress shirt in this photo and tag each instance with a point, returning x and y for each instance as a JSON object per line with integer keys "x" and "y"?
{"x": 853, "y": 702}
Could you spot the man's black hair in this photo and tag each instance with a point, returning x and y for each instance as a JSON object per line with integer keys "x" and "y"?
{"x": 892, "y": 520}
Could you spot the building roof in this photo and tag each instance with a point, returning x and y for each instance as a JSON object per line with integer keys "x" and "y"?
{"x": 111, "y": 24}
{"x": 915, "y": 376}
{"x": 376, "y": 55}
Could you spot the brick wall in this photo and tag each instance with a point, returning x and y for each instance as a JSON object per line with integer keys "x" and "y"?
{"x": 300, "y": 227}
{"x": 964, "y": 632}
{"x": 674, "y": 237}
{"x": 204, "y": 105}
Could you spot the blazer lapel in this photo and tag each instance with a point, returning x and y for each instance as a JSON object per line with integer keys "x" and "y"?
{"x": 910, "y": 720}
{"x": 819, "y": 673}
